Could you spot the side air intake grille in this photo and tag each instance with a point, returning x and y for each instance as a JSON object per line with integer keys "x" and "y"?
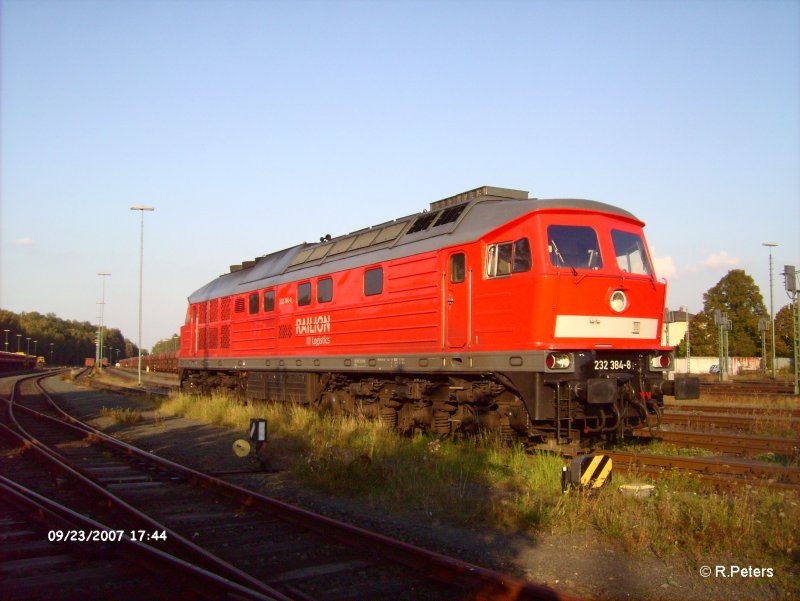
{"x": 422, "y": 223}
{"x": 450, "y": 215}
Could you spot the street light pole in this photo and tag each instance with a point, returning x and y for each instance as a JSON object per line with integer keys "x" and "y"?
{"x": 771, "y": 245}
{"x": 102, "y": 314}
{"x": 6, "y": 331}
{"x": 141, "y": 209}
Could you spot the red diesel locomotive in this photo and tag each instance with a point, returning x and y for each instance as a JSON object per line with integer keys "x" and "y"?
{"x": 536, "y": 318}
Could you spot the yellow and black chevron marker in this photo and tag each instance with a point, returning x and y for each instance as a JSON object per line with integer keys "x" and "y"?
{"x": 588, "y": 471}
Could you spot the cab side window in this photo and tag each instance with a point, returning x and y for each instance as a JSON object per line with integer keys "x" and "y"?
{"x": 506, "y": 258}
{"x": 522, "y": 256}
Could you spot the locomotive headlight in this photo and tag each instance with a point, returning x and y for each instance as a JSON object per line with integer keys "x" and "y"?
{"x": 558, "y": 361}
{"x": 661, "y": 361}
{"x": 619, "y": 302}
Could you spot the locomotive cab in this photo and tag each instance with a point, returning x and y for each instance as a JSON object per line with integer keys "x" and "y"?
{"x": 597, "y": 310}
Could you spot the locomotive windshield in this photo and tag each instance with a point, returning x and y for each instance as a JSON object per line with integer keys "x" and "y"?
{"x": 631, "y": 255}
{"x": 573, "y": 246}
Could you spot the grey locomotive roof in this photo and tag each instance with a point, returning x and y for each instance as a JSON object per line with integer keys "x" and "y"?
{"x": 463, "y": 218}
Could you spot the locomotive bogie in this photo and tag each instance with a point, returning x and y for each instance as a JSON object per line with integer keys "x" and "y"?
{"x": 538, "y": 319}
{"x": 209, "y": 380}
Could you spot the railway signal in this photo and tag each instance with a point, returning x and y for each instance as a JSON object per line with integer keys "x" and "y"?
{"x": 724, "y": 325}
{"x": 258, "y": 438}
{"x": 790, "y": 273}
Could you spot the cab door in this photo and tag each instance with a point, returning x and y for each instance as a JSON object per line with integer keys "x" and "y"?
{"x": 457, "y": 301}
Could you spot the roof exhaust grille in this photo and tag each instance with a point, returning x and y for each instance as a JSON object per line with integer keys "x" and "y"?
{"x": 483, "y": 191}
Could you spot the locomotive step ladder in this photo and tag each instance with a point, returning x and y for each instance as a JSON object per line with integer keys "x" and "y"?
{"x": 563, "y": 414}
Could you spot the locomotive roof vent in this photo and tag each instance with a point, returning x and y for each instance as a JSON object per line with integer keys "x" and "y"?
{"x": 482, "y": 192}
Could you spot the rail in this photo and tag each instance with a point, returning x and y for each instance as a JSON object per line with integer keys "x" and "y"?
{"x": 126, "y": 514}
{"x": 717, "y": 470}
{"x": 367, "y": 549}
{"x": 60, "y": 518}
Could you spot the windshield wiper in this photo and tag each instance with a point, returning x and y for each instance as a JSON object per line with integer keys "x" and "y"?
{"x": 560, "y": 258}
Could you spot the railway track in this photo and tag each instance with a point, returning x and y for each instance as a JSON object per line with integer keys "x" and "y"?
{"x": 765, "y": 411}
{"x": 710, "y": 418}
{"x": 80, "y": 476}
{"x": 35, "y": 556}
{"x": 160, "y": 388}
{"x": 260, "y": 544}
{"x": 729, "y": 443}
{"x": 730, "y": 472}
{"x": 734, "y": 444}
{"x": 725, "y": 420}
{"x": 753, "y": 388}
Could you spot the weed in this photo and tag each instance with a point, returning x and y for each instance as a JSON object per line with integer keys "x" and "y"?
{"x": 122, "y": 416}
{"x": 482, "y": 481}
{"x": 777, "y": 458}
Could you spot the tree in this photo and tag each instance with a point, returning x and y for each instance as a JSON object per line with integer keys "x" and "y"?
{"x": 72, "y": 341}
{"x": 737, "y": 295}
{"x": 784, "y": 332}
{"x": 171, "y": 345}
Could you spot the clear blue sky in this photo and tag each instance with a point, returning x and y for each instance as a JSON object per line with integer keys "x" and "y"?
{"x": 254, "y": 125}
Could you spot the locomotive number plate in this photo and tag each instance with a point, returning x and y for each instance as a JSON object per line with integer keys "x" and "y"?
{"x": 613, "y": 365}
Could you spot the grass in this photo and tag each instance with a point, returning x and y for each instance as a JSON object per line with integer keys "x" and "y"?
{"x": 122, "y": 416}
{"x": 654, "y": 446}
{"x": 479, "y": 482}
{"x": 679, "y": 517}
